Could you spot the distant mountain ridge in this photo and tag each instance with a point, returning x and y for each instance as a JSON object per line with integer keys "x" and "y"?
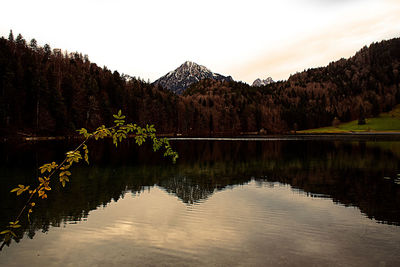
{"x": 185, "y": 75}
{"x": 259, "y": 82}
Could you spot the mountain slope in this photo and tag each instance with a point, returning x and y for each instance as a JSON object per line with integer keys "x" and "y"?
{"x": 361, "y": 86}
{"x": 187, "y": 74}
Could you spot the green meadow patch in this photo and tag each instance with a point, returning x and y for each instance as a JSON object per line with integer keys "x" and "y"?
{"x": 385, "y": 122}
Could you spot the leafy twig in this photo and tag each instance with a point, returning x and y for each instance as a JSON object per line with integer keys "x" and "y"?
{"x": 118, "y": 132}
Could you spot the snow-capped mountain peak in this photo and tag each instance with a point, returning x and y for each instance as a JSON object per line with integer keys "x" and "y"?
{"x": 259, "y": 82}
{"x": 185, "y": 75}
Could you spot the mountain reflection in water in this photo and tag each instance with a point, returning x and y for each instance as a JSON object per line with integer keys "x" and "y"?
{"x": 347, "y": 173}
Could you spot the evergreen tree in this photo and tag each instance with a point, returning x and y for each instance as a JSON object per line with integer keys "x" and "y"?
{"x": 11, "y": 36}
{"x": 20, "y": 40}
{"x": 33, "y": 44}
{"x": 361, "y": 116}
{"x": 47, "y": 50}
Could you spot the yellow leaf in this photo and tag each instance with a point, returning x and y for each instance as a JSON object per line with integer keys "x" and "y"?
{"x": 7, "y": 238}
{"x": 63, "y": 168}
{"x": 48, "y": 167}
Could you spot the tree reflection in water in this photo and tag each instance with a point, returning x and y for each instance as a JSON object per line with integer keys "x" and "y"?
{"x": 350, "y": 173}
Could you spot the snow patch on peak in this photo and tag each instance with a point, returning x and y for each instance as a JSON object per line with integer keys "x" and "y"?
{"x": 185, "y": 75}
{"x": 259, "y": 82}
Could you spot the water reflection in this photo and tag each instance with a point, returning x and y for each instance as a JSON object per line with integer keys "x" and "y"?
{"x": 250, "y": 225}
{"x": 349, "y": 173}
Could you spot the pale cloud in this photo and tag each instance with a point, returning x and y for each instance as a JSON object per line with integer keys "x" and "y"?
{"x": 332, "y": 2}
{"x": 317, "y": 49}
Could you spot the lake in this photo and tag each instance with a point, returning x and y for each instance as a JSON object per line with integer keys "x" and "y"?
{"x": 225, "y": 203}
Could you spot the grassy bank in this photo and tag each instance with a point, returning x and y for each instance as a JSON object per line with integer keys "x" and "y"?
{"x": 385, "y": 122}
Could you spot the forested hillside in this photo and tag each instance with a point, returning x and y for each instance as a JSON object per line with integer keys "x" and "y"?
{"x": 49, "y": 92}
{"x": 362, "y": 86}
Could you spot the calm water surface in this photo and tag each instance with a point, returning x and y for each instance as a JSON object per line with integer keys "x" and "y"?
{"x": 225, "y": 203}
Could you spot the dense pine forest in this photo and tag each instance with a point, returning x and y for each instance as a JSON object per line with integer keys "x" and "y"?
{"x": 45, "y": 91}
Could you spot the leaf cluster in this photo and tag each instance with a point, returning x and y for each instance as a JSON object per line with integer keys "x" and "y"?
{"x": 118, "y": 132}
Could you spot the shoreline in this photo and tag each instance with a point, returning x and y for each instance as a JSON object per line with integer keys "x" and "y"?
{"x": 352, "y": 136}
{"x": 377, "y": 136}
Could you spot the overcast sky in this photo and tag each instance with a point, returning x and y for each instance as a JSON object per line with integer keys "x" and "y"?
{"x": 247, "y": 39}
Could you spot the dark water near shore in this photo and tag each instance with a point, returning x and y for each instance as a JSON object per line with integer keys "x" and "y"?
{"x": 251, "y": 203}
